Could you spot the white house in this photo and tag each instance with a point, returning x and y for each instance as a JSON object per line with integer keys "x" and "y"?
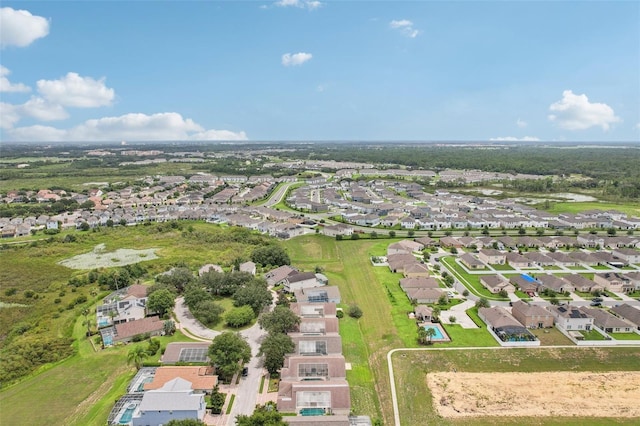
{"x": 173, "y": 401}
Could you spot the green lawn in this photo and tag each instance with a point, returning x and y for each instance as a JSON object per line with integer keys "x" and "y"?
{"x": 592, "y": 335}
{"x": 505, "y": 267}
{"x": 415, "y": 400}
{"x": 571, "y": 207}
{"x": 551, "y": 337}
{"x": 472, "y": 282}
{"x": 625, "y": 336}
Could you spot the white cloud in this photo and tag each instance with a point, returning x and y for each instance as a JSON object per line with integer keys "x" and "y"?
{"x": 405, "y": 27}
{"x": 8, "y": 115}
{"x": 130, "y": 127}
{"x": 294, "y": 59}
{"x": 21, "y": 28}
{"x": 308, "y": 4}
{"x": 76, "y": 91}
{"x": 219, "y": 135}
{"x": 575, "y": 112}
{"x": 42, "y": 109}
{"x": 521, "y": 123}
{"x": 7, "y": 86}
{"x": 514, "y": 139}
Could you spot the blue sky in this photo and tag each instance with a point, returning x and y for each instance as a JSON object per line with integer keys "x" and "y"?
{"x": 310, "y": 70}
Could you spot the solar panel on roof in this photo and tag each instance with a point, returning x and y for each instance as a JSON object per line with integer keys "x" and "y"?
{"x": 193, "y": 355}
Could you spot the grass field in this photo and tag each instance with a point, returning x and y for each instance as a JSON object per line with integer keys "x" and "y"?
{"x": 415, "y": 400}
{"x": 571, "y": 207}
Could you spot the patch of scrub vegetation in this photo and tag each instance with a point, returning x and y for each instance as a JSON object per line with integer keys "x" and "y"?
{"x": 98, "y": 259}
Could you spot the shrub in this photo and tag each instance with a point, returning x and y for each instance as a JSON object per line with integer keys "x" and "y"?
{"x": 354, "y": 311}
{"x": 340, "y": 314}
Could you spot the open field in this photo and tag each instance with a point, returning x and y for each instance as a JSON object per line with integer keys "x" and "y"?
{"x": 573, "y": 207}
{"x": 416, "y": 400}
{"x": 557, "y": 394}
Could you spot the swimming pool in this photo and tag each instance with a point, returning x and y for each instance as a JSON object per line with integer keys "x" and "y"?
{"x": 126, "y": 416}
{"x": 437, "y": 330}
{"x": 312, "y": 412}
{"x": 144, "y": 382}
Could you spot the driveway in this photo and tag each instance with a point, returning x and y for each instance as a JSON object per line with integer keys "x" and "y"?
{"x": 189, "y": 325}
{"x": 458, "y": 311}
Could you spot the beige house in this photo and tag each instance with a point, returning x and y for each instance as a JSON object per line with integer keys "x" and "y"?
{"x": 612, "y": 281}
{"x": 492, "y": 256}
{"x": 532, "y": 316}
{"x": 496, "y": 283}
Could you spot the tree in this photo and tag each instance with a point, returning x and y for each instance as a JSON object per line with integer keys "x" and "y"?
{"x": 280, "y": 320}
{"x": 452, "y": 319}
{"x": 354, "y": 311}
{"x": 430, "y": 333}
{"x": 483, "y": 303}
{"x": 136, "y": 356}
{"x": 611, "y": 232}
{"x": 503, "y": 293}
{"x": 169, "y": 327}
{"x": 392, "y": 234}
{"x": 225, "y": 284}
{"x": 193, "y": 294}
{"x": 270, "y": 255}
{"x": 207, "y": 312}
{"x": 443, "y": 299}
{"x": 177, "y": 277}
{"x": 465, "y": 293}
{"x": 228, "y": 352}
{"x": 411, "y": 233}
{"x": 422, "y": 336}
{"x": 237, "y": 317}
{"x": 255, "y": 294}
{"x": 161, "y": 301}
{"x": 87, "y": 321}
{"x": 522, "y": 231}
{"x": 266, "y": 415}
{"x": 374, "y": 235}
{"x": 217, "y": 400}
{"x": 274, "y": 348}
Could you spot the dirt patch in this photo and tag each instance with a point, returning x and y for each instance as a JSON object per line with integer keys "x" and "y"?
{"x": 562, "y": 394}
{"x": 98, "y": 258}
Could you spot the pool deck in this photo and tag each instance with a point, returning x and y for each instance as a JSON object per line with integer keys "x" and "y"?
{"x": 445, "y": 336}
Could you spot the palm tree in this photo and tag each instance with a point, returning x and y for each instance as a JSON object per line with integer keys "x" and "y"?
{"x": 137, "y": 355}
{"x": 87, "y": 321}
{"x": 422, "y": 335}
{"x": 430, "y": 333}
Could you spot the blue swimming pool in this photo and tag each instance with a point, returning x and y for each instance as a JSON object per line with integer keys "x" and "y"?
{"x": 528, "y": 278}
{"x": 312, "y": 412}
{"x": 126, "y": 416}
{"x": 435, "y": 328}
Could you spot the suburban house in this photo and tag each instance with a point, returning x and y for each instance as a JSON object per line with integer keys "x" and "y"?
{"x": 531, "y": 316}
{"x": 328, "y": 344}
{"x": 334, "y": 420}
{"x": 449, "y": 242}
{"x": 571, "y": 318}
{"x": 554, "y": 283}
{"x": 201, "y": 378}
{"x": 405, "y": 246}
{"x": 471, "y": 262}
{"x": 562, "y": 259}
{"x": 504, "y": 325}
{"x": 185, "y": 352}
{"x": 339, "y": 229}
{"x": 278, "y": 275}
{"x": 517, "y": 260}
{"x": 176, "y": 400}
{"x": 524, "y": 283}
{"x": 326, "y": 294}
{"x": 614, "y": 282}
{"x": 496, "y": 283}
{"x": 248, "y": 267}
{"x": 303, "y": 397}
{"x": 415, "y": 270}
{"x": 427, "y": 241}
{"x": 127, "y": 304}
{"x": 629, "y": 313}
{"x": 313, "y": 367}
{"x": 317, "y": 326}
{"x": 627, "y": 254}
{"x": 424, "y": 295}
{"x": 125, "y": 332}
{"x": 540, "y": 259}
{"x": 300, "y": 280}
{"x": 397, "y": 262}
{"x": 423, "y": 313}
{"x": 418, "y": 282}
{"x": 581, "y": 283}
{"x": 607, "y": 322}
{"x": 209, "y": 267}
{"x": 492, "y": 256}
{"x": 313, "y": 310}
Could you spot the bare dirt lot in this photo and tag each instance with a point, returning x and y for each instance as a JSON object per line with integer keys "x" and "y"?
{"x": 613, "y": 394}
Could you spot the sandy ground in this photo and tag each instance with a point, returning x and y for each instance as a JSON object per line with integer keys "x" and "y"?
{"x": 568, "y": 394}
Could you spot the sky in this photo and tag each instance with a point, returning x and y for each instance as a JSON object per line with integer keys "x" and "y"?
{"x": 307, "y": 70}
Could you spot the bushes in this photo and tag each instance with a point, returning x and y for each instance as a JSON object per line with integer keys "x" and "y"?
{"x": 237, "y": 317}
{"x": 354, "y": 311}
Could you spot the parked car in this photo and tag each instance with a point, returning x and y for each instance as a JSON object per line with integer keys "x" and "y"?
{"x": 596, "y": 304}
{"x": 245, "y": 372}
{"x": 597, "y": 299}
